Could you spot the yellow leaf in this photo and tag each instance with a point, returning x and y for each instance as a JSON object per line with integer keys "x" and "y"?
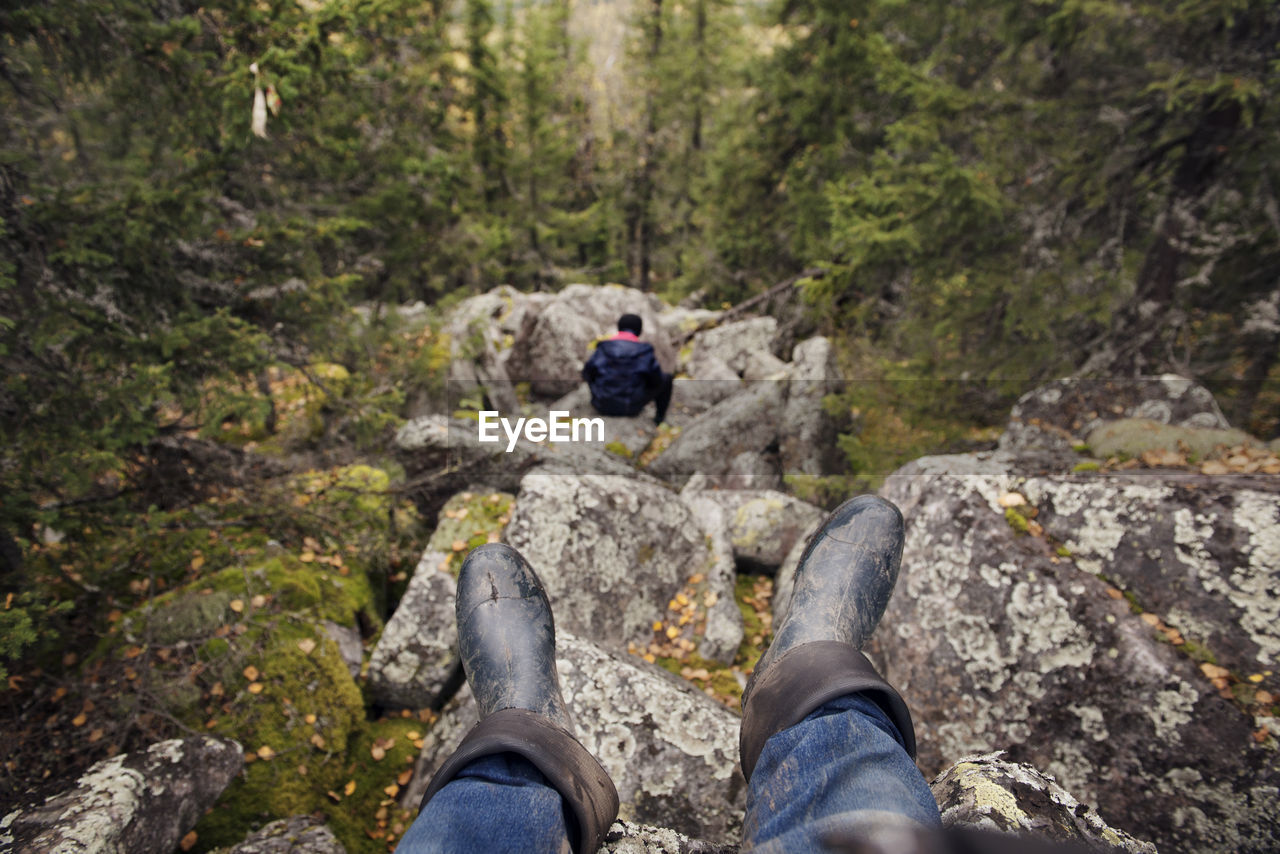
{"x": 307, "y": 557}
{"x": 255, "y": 687}
{"x": 318, "y": 740}
{"x": 251, "y": 673}
{"x": 459, "y": 545}
{"x": 1255, "y": 677}
{"x": 236, "y": 605}
{"x": 306, "y": 645}
{"x": 392, "y": 790}
{"x": 657, "y": 625}
{"x": 79, "y": 720}
{"x": 265, "y": 752}
{"x": 196, "y": 563}
{"x": 258, "y": 601}
{"x": 310, "y": 718}
{"x": 405, "y": 777}
{"x": 189, "y": 841}
{"x": 349, "y": 788}
{"x": 672, "y": 632}
{"x": 377, "y": 753}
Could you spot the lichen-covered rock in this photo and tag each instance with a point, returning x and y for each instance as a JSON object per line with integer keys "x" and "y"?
{"x": 990, "y": 793}
{"x": 1202, "y": 553}
{"x": 764, "y": 524}
{"x": 627, "y": 837}
{"x": 611, "y": 551}
{"x": 745, "y": 423}
{"x": 551, "y": 355}
{"x": 1134, "y": 437}
{"x": 135, "y": 803}
{"x": 734, "y": 344}
{"x": 997, "y": 641}
{"x": 1055, "y": 416}
{"x": 724, "y": 621}
{"x": 416, "y": 660}
{"x": 807, "y": 438}
{"x": 670, "y": 750}
{"x": 301, "y": 834}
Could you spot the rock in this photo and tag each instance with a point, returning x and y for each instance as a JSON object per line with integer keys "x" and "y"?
{"x": 1201, "y": 553}
{"x": 995, "y": 641}
{"x": 807, "y": 438}
{"x": 680, "y": 320}
{"x": 1056, "y": 416}
{"x": 140, "y": 802}
{"x": 764, "y": 525}
{"x": 449, "y": 449}
{"x": 745, "y": 423}
{"x": 482, "y": 335}
{"x": 724, "y": 621}
{"x": 611, "y": 551}
{"x": 1134, "y": 437}
{"x": 350, "y": 646}
{"x": 989, "y": 793}
{"x": 734, "y": 344}
{"x": 670, "y": 750}
{"x": 551, "y": 355}
{"x": 627, "y": 837}
{"x": 301, "y": 834}
{"x": 415, "y": 664}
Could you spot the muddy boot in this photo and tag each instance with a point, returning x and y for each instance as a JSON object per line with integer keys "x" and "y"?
{"x": 842, "y": 586}
{"x": 506, "y": 637}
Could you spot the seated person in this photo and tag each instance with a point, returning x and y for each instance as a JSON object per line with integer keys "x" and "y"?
{"x": 624, "y": 375}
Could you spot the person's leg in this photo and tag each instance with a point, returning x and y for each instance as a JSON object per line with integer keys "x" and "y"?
{"x": 520, "y": 780}
{"x": 826, "y": 743}
{"x": 499, "y": 804}
{"x": 662, "y": 398}
{"x": 843, "y": 768}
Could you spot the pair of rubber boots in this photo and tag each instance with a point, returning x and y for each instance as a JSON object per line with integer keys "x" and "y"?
{"x": 506, "y": 636}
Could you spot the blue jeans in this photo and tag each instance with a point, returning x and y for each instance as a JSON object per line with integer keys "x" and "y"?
{"x": 841, "y": 768}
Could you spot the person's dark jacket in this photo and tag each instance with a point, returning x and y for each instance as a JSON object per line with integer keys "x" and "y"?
{"x": 623, "y": 375}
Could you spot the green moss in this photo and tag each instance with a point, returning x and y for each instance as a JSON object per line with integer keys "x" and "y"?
{"x": 645, "y": 554}
{"x": 1132, "y": 599}
{"x": 620, "y": 449}
{"x": 1081, "y": 448}
{"x": 752, "y": 625}
{"x": 1016, "y": 520}
{"x": 1086, "y": 465}
{"x": 472, "y": 519}
{"x": 1063, "y": 551}
{"x": 1198, "y": 652}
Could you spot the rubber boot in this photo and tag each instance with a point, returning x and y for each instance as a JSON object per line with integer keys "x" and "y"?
{"x": 842, "y": 586}
{"x": 506, "y": 637}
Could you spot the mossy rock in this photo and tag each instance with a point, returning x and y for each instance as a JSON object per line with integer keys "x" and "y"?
{"x": 358, "y": 495}
{"x": 1133, "y": 437}
{"x": 471, "y": 519}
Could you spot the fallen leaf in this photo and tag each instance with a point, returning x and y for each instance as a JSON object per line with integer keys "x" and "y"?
{"x": 657, "y": 625}
{"x": 80, "y": 719}
{"x": 377, "y": 753}
{"x": 459, "y": 545}
{"x": 309, "y": 718}
{"x": 1114, "y": 593}
{"x": 349, "y": 788}
{"x": 265, "y": 752}
{"x": 255, "y": 687}
{"x": 1213, "y": 467}
{"x": 334, "y": 796}
{"x": 1011, "y": 499}
{"x": 95, "y": 735}
{"x": 318, "y": 740}
{"x": 1255, "y": 677}
{"x": 1261, "y": 735}
{"x": 1266, "y": 698}
{"x": 672, "y": 632}
{"x": 392, "y": 790}
{"x": 251, "y": 673}
{"x": 196, "y": 563}
{"x": 258, "y": 601}
{"x": 1150, "y": 619}
{"x": 405, "y": 777}
{"x": 189, "y": 841}
{"x": 1213, "y": 671}
{"x": 307, "y": 557}
{"x": 236, "y": 605}
{"x": 306, "y": 645}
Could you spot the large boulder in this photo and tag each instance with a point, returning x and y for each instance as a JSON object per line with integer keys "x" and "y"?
{"x": 807, "y": 438}
{"x": 738, "y": 345}
{"x": 611, "y": 551}
{"x": 746, "y": 423}
{"x": 670, "y": 750}
{"x": 1054, "y": 417}
{"x": 627, "y": 837}
{"x": 301, "y": 834}
{"x": 482, "y": 332}
{"x": 763, "y": 524}
{"x": 988, "y": 792}
{"x": 550, "y": 356}
{"x": 415, "y": 664}
{"x": 998, "y": 641}
{"x": 141, "y": 803}
{"x": 1202, "y": 553}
